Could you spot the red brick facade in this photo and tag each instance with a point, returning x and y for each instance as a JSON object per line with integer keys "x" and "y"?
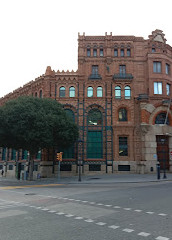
{"x": 129, "y": 78}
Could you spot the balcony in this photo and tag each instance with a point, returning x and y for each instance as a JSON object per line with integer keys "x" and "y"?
{"x": 123, "y": 76}
{"x": 95, "y": 76}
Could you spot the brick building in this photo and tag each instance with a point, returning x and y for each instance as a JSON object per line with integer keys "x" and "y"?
{"x": 120, "y": 97}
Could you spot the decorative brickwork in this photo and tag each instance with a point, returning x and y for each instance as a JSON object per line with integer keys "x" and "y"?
{"x": 114, "y": 72}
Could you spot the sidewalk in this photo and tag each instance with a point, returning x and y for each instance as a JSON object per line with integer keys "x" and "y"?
{"x": 95, "y": 179}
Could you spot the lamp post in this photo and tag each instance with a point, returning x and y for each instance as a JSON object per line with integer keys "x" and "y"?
{"x": 80, "y": 161}
{"x": 164, "y": 162}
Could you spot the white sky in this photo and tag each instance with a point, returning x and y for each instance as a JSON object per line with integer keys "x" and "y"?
{"x": 40, "y": 33}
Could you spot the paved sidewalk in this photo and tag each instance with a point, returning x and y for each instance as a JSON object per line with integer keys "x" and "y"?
{"x": 96, "y": 179}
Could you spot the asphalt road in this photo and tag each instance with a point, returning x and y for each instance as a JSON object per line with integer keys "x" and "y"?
{"x": 120, "y": 211}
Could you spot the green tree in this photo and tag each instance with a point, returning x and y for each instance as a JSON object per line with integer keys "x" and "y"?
{"x": 32, "y": 124}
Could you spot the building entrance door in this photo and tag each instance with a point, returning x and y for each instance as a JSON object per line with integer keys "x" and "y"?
{"x": 163, "y": 151}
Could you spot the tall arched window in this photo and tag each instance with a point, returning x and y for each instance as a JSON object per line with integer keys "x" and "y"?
{"x": 69, "y": 153}
{"x": 94, "y": 117}
{"x": 94, "y": 134}
{"x": 122, "y": 115}
{"x": 127, "y": 92}
{"x": 117, "y": 92}
{"x": 161, "y": 118}
{"x": 62, "y": 91}
{"x": 40, "y": 93}
{"x": 70, "y": 114}
{"x": 71, "y": 92}
{"x": 99, "y": 92}
{"x": 89, "y": 92}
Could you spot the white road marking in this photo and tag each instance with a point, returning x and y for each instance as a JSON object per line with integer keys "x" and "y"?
{"x": 91, "y": 202}
{"x": 162, "y": 214}
{"x": 128, "y": 230}
{"x": 69, "y": 215}
{"x": 116, "y": 207}
{"x": 108, "y": 205}
{"x": 161, "y": 238}
{"x": 138, "y": 210}
{"x": 101, "y": 223}
{"x": 60, "y": 213}
{"x": 45, "y": 209}
{"x": 78, "y": 218}
{"x": 89, "y": 220}
{"x": 127, "y": 209}
{"x": 51, "y": 211}
{"x": 99, "y": 204}
{"x": 150, "y": 212}
{"x": 113, "y": 227}
{"x": 84, "y": 201}
{"x": 144, "y": 234}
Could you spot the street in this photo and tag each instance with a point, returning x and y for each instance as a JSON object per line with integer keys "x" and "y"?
{"x": 121, "y": 211}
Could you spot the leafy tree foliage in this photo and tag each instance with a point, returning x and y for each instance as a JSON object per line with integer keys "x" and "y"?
{"x": 32, "y": 124}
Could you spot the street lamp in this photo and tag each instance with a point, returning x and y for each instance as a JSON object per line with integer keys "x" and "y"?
{"x": 164, "y": 162}
{"x": 80, "y": 161}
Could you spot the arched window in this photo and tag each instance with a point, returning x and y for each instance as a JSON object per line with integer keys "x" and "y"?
{"x": 94, "y": 135}
{"x": 70, "y": 114}
{"x": 161, "y": 119}
{"x": 118, "y": 92}
{"x": 40, "y": 93}
{"x": 122, "y": 115}
{"x": 69, "y": 153}
{"x": 89, "y": 92}
{"x": 127, "y": 92}
{"x": 94, "y": 117}
{"x": 99, "y": 92}
{"x": 36, "y": 94}
{"x": 62, "y": 92}
{"x": 88, "y": 51}
{"x": 71, "y": 92}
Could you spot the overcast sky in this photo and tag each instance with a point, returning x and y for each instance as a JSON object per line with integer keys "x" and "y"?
{"x": 40, "y": 33}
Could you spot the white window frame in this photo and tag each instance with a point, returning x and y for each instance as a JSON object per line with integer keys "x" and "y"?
{"x": 158, "y": 88}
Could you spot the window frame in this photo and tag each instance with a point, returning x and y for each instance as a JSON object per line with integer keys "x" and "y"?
{"x": 122, "y": 52}
{"x": 168, "y": 88}
{"x": 157, "y": 89}
{"x": 88, "y": 52}
{"x": 122, "y": 69}
{"x": 72, "y": 90}
{"x": 99, "y": 91}
{"x": 101, "y": 52}
{"x": 117, "y": 90}
{"x": 115, "y": 52}
{"x": 127, "y": 89}
{"x": 167, "y": 69}
{"x": 62, "y": 91}
{"x": 157, "y": 67}
{"x": 124, "y": 115}
{"x": 123, "y": 148}
{"x": 90, "y": 90}
{"x": 94, "y": 52}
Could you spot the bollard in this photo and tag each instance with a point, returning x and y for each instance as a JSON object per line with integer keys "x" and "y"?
{"x": 158, "y": 170}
